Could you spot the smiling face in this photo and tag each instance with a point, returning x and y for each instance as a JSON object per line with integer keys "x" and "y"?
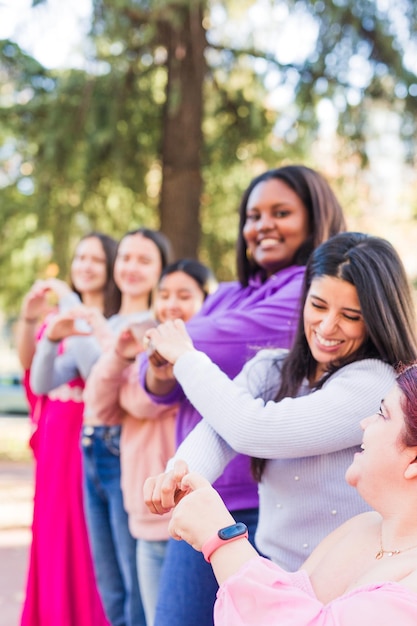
{"x": 277, "y": 224}
{"x": 333, "y": 323}
{"x": 178, "y": 297}
{"x": 137, "y": 266}
{"x": 88, "y": 267}
{"x": 385, "y": 457}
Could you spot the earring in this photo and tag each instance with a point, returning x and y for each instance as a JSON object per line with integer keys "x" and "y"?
{"x": 249, "y": 254}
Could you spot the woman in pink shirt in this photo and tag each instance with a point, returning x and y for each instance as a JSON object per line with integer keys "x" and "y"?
{"x": 365, "y": 572}
{"x": 148, "y": 429}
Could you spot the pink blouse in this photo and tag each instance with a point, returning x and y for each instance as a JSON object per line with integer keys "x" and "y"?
{"x": 263, "y": 594}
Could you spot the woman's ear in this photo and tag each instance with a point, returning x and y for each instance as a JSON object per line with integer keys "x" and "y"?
{"x": 411, "y": 469}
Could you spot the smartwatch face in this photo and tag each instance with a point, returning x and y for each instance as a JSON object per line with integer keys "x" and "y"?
{"x": 232, "y": 531}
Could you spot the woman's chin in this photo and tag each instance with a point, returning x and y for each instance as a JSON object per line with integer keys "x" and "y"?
{"x": 351, "y": 475}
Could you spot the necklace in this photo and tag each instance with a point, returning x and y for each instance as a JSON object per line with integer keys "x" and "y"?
{"x": 381, "y": 552}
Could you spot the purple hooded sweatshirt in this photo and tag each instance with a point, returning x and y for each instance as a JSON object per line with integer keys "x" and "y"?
{"x": 235, "y": 323}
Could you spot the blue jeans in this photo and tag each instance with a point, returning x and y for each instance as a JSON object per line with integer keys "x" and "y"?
{"x": 112, "y": 545}
{"x": 188, "y": 587}
{"x": 150, "y": 556}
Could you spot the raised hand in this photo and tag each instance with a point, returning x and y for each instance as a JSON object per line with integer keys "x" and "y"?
{"x": 35, "y": 304}
{"x": 161, "y": 493}
{"x": 65, "y": 325}
{"x": 57, "y": 286}
{"x": 169, "y": 340}
{"x": 200, "y": 514}
{"x": 129, "y": 342}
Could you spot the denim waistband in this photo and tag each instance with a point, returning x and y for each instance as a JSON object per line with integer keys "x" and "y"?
{"x": 101, "y": 432}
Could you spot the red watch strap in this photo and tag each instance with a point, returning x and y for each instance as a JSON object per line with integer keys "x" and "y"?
{"x": 212, "y": 544}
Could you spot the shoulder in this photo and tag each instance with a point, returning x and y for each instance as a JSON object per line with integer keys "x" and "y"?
{"x": 367, "y": 370}
{"x": 263, "y": 372}
{"x": 288, "y": 274}
{"x": 287, "y": 281}
{"x": 268, "y": 358}
{"x": 353, "y": 527}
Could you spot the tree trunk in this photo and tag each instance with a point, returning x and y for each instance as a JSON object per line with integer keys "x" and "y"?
{"x": 182, "y": 137}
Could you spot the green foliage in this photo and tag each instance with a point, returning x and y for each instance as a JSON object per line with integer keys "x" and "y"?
{"x": 82, "y": 149}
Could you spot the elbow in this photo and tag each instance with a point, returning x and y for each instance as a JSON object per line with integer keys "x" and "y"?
{"x": 236, "y": 443}
{"x": 39, "y": 389}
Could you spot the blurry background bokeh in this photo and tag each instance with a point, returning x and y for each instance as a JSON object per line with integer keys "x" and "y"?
{"x": 116, "y": 113}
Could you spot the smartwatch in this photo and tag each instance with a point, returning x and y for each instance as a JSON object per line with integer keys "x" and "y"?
{"x": 224, "y": 535}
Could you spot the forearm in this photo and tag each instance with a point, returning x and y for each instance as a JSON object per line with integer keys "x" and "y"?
{"x": 86, "y": 351}
{"x": 158, "y": 386}
{"x": 321, "y": 422}
{"x": 197, "y": 519}
{"x": 68, "y": 301}
{"x": 26, "y": 341}
{"x": 231, "y": 557}
{"x": 43, "y": 377}
{"x": 205, "y": 452}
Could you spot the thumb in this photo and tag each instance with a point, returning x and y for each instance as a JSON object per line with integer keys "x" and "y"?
{"x": 194, "y": 481}
{"x": 179, "y": 470}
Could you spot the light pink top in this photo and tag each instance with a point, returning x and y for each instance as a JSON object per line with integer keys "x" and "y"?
{"x": 114, "y": 395}
{"x": 263, "y": 594}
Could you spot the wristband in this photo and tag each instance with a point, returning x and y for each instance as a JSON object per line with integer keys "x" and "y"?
{"x": 224, "y": 535}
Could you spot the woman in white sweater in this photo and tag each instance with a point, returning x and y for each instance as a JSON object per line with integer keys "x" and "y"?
{"x": 297, "y": 413}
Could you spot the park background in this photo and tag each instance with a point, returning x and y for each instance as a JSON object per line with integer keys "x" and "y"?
{"x": 117, "y": 113}
{"x": 121, "y": 113}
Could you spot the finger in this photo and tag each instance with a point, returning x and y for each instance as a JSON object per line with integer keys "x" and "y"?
{"x": 170, "y": 492}
{"x": 150, "y": 334}
{"x": 172, "y": 530}
{"x": 179, "y": 470}
{"x": 194, "y": 481}
{"x": 148, "y": 491}
{"x": 152, "y": 491}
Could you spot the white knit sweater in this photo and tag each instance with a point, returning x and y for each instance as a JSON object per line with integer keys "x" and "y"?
{"x": 310, "y": 441}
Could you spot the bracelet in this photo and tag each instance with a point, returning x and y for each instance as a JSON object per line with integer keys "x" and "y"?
{"x": 224, "y": 535}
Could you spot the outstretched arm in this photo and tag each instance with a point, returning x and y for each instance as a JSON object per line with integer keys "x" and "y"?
{"x": 198, "y": 517}
{"x": 35, "y": 307}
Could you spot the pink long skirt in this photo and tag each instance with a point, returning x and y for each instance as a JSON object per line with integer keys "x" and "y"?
{"x": 61, "y": 588}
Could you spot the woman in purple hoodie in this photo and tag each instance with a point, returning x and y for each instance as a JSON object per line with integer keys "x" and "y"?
{"x": 285, "y": 214}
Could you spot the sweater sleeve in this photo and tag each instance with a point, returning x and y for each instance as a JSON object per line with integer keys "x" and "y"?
{"x": 173, "y": 397}
{"x": 49, "y": 368}
{"x": 101, "y": 392}
{"x": 69, "y": 301}
{"x": 262, "y": 593}
{"x": 235, "y": 322}
{"x": 321, "y": 422}
{"x": 204, "y": 451}
{"x": 113, "y": 389}
{"x": 85, "y": 351}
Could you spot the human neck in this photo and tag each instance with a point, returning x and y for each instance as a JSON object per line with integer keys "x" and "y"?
{"x": 318, "y": 373}
{"x": 93, "y": 299}
{"x": 397, "y": 535}
{"x": 134, "y": 304}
